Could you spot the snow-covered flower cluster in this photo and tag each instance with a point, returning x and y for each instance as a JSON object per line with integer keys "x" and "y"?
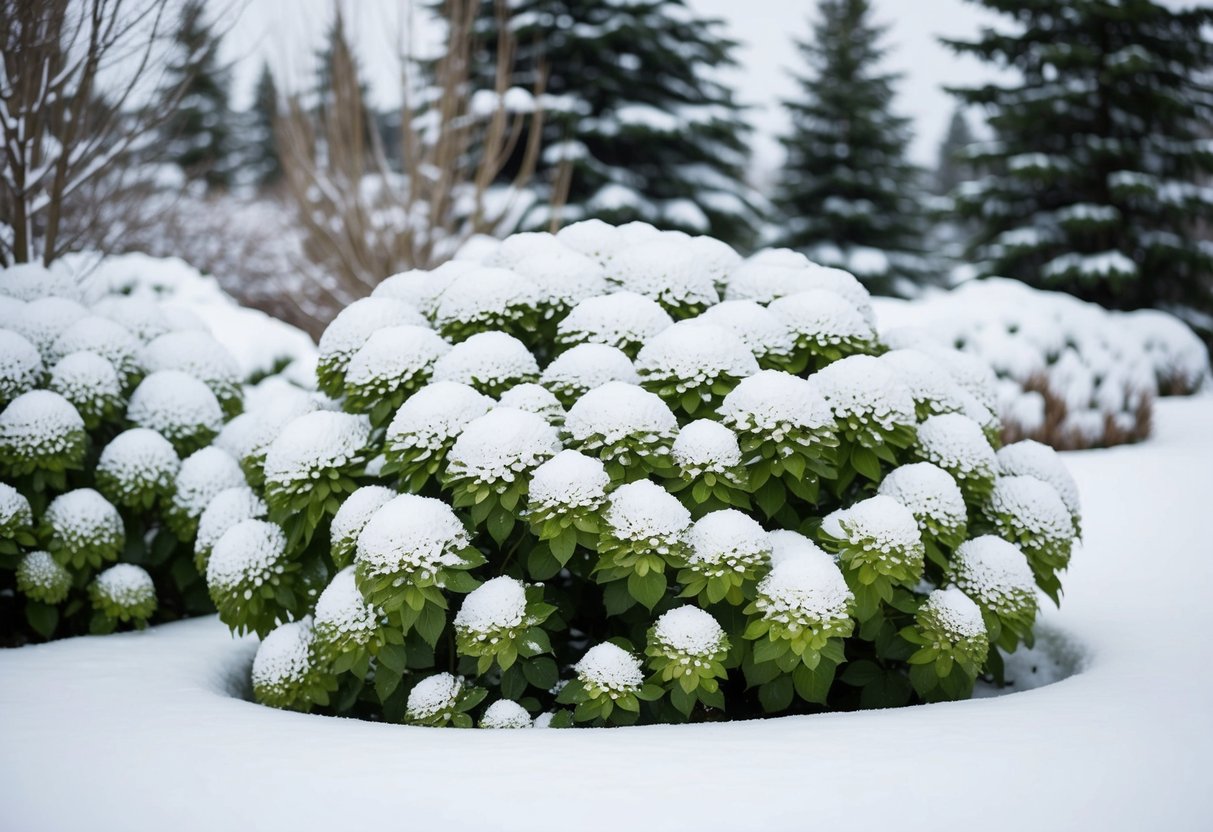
{"x": 1064, "y": 372}
{"x": 617, "y": 475}
{"x": 102, "y": 396}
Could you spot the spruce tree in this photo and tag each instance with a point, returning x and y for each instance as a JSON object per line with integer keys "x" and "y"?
{"x": 261, "y": 156}
{"x": 633, "y": 118}
{"x": 198, "y": 132}
{"x": 952, "y": 167}
{"x": 848, "y": 197}
{"x": 1097, "y": 180}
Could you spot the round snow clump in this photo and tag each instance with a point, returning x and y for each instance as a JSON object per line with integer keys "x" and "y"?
{"x": 41, "y": 578}
{"x": 608, "y": 668}
{"x": 313, "y": 444}
{"x": 502, "y": 445}
{"x": 880, "y": 533}
{"x": 197, "y": 354}
{"x": 706, "y": 447}
{"x": 593, "y": 238}
{"x": 1031, "y": 513}
{"x": 569, "y": 480}
{"x": 84, "y": 527}
{"x": 617, "y": 411}
{"x": 124, "y": 592}
{"x": 41, "y": 430}
{"x": 393, "y": 357}
{"x": 1033, "y": 459}
{"x": 15, "y": 511}
{"x": 764, "y": 332}
{"x": 534, "y": 398}
{"x": 142, "y": 316}
{"x": 584, "y": 367}
{"x": 775, "y": 404}
{"x": 42, "y": 321}
{"x": 107, "y": 339}
{"x": 505, "y": 713}
{"x": 644, "y": 512}
{"x": 484, "y": 298}
{"x": 90, "y": 383}
{"x": 229, "y": 507}
{"x": 689, "y": 631}
{"x": 491, "y": 362}
{"x": 282, "y": 667}
{"x": 932, "y": 387}
{"x": 956, "y": 444}
{"x": 789, "y": 545}
{"x": 665, "y": 271}
{"x": 420, "y": 288}
{"x": 820, "y": 319}
{"x": 517, "y": 247}
{"x": 137, "y": 468}
{"x": 434, "y": 696}
{"x": 351, "y": 518}
{"x": 563, "y": 277}
{"x": 410, "y": 537}
{"x": 493, "y": 609}
{"x": 247, "y": 555}
{"x": 728, "y": 541}
{"x": 177, "y": 406}
{"x": 862, "y": 392}
{"x": 433, "y": 416}
{"x": 955, "y": 614}
{"x": 807, "y": 590}
{"x": 931, "y": 494}
{"x": 202, "y": 475}
{"x": 20, "y": 365}
{"x": 30, "y": 281}
{"x": 692, "y": 355}
{"x": 624, "y": 320}
{"x": 351, "y": 329}
{"x": 996, "y": 575}
{"x": 344, "y": 620}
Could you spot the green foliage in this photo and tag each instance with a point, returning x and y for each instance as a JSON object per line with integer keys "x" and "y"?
{"x": 644, "y": 558}
{"x": 97, "y": 511}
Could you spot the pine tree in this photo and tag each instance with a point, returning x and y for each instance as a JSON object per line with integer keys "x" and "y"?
{"x": 848, "y": 197}
{"x": 1096, "y": 182}
{"x": 198, "y": 132}
{"x": 952, "y": 168}
{"x": 261, "y": 161}
{"x": 635, "y": 127}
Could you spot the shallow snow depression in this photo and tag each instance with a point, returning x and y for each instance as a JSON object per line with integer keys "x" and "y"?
{"x": 1124, "y": 745}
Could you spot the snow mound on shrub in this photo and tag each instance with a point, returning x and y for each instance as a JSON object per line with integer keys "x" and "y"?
{"x": 616, "y": 411}
{"x": 497, "y": 604}
{"x": 501, "y": 445}
{"x": 437, "y": 413}
{"x": 623, "y": 320}
{"x": 569, "y": 479}
{"x": 317, "y": 441}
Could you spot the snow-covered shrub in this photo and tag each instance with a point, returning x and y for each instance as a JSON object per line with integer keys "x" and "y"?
{"x": 611, "y": 518}
{"x": 102, "y": 397}
{"x": 1066, "y": 373}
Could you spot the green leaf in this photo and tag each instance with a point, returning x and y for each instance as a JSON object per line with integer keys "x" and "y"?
{"x": 771, "y": 497}
{"x": 501, "y": 523}
{"x": 865, "y": 461}
{"x": 647, "y": 589}
{"x": 814, "y": 685}
{"x": 431, "y": 623}
{"x": 541, "y": 672}
{"x": 393, "y": 657}
{"x": 564, "y": 545}
{"x": 777, "y": 695}
{"x": 42, "y": 617}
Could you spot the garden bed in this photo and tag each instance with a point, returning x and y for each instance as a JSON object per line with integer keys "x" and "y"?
{"x": 153, "y": 732}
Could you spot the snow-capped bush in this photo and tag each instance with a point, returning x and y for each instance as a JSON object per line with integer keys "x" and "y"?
{"x": 98, "y": 406}
{"x": 607, "y": 517}
{"x": 1069, "y": 374}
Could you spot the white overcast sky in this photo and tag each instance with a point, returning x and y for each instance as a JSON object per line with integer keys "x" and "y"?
{"x": 286, "y": 33}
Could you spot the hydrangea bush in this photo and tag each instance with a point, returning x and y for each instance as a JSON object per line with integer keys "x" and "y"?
{"x": 679, "y": 486}
{"x": 107, "y": 415}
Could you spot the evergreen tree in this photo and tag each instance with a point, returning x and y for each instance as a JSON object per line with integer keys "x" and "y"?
{"x": 848, "y": 197}
{"x": 261, "y": 158}
{"x": 635, "y": 126}
{"x": 952, "y": 168}
{"x": 1095, "y": 183}
{"x": 198, "y": 132}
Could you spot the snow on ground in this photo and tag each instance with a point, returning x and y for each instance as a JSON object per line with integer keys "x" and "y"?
{"x": 147, "y": 730}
